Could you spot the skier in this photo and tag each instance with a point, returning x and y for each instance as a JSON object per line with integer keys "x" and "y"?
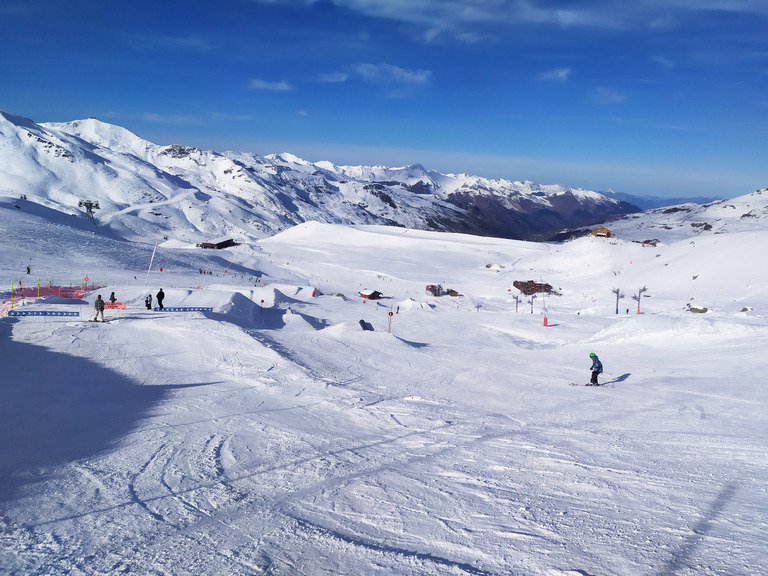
{"x": 160, "y": 296}
{"x": 99, "y": 306}
{"x": 148, "y": 302}
{"x": 112, "y": 298}
{"x": 597, "y": 368}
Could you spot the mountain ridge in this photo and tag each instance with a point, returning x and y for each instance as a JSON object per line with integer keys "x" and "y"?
{"x": 199, "y": 194}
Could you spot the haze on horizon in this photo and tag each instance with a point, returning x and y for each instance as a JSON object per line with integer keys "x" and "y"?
{"x": 647, "y": 99}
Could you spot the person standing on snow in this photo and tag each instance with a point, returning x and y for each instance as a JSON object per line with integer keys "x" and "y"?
{"x": 160, "y": 296}
{"x": 99, "y": 305}
{"x": 148, "y": 301}
{"x": 112, "y": 298}
{"x": 597, "y": 368}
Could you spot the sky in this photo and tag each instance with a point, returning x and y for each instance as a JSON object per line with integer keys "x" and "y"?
{"x": 650, "y": 97}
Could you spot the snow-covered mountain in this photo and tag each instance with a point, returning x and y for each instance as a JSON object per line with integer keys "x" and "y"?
{"x": 254, "y": 427}
{"x": 192, "y": 195}
{"x": 270, "y": 420}
{"x": 669, "y": 224}
{"x": 648, "y": 202}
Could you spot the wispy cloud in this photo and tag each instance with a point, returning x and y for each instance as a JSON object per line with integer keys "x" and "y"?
{"x": 390, "y": 74}
{"x": 603, "y": 95}
{"x": 227, "y": 117}
{"x": 175, "y": 119}
{"x": 460, "y": 17}
{"x": 187, "y": 42}
{"x": 664, "y": 61}
{"x": 334, "y": 77}
{"x": 585, "y": 15}
{"x": 556, "y": 75}
{"x": 399, "y": 80}
{"x": 279, "y": 86}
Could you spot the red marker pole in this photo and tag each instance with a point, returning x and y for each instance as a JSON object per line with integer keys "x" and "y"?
{"x": 389, "y": 328}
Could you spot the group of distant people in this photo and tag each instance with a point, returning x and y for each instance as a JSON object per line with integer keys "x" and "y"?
{"x": 596, "y": 368}
{"x": 148, "y": 300}
{"x": 99, "y": 303}
{"x": 99, "y": 306}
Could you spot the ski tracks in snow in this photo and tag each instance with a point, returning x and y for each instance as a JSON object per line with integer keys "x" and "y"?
{"x": 311, "y": 452}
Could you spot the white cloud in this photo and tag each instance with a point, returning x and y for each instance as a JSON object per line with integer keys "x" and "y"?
{"x": 223, "y": 116}
{"x": 175, "y": 119}
{"x": 604, "y": 95}
{"x": 389, "y": 74}
{"x": 399, "y": 82}
{"x": 556, "y": 75}
{"x": 457, "y": 16}
{"x": 189, "y": 42}
{"x": 334, "y": 77}
{"x": 281, "y": 86}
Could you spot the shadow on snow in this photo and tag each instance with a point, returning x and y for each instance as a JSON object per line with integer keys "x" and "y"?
{"x": 56, "y": 408}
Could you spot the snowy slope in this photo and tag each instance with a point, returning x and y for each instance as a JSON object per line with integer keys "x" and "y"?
{"x": 190, "y": 195}
{"x": 744, "y": 213}
{"x": 274, "y": 436}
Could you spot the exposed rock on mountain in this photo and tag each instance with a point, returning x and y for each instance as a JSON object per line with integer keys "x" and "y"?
{"x": 198, "y": 194}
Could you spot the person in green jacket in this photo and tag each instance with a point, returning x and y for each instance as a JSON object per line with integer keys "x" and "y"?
{"x": 597, "y": 368}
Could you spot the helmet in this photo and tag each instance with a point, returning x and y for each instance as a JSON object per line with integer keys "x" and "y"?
{"x": 592, "y": 354}
{"x": 99, "y": 295}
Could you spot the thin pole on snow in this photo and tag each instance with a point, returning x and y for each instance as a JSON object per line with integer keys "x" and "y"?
{"x": 146, "y": 280}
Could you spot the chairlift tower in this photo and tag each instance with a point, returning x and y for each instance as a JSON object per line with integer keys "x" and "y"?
{"x": 90, "y": 206}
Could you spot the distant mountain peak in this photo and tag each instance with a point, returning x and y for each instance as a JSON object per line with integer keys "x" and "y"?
{"x": 180, "y": 191}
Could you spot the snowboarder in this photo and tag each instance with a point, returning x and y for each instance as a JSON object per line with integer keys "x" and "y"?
{"x": 160, "y": 296}
{"x": 148, "y": 302}
{"x": 112, "y": 298}
{"x": 99, "y": 306}
{"x": 597, "y": 368}
{"x": 29, "y": 269}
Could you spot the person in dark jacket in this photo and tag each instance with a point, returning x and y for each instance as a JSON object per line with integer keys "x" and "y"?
{"x": 112, "y": 298}
{"x": 597, "y": 368}
{"x": 160, "y": 296}
{"x": 148, "y": 301}
{"x": 99, "y": 305}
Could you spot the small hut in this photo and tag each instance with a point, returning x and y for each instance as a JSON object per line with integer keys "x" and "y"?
{"x": 370, "y": 294}
{"x": 218, "y": 244}
{"x": 601, "y": 232}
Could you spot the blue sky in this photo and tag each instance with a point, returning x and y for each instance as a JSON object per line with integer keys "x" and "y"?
{"x": 660, "y": 97}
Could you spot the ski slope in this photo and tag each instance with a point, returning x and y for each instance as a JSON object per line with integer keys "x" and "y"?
{"x": 274, "y": 436}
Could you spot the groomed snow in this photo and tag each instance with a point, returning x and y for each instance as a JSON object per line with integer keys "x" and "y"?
{"x": 275, "y": 436}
